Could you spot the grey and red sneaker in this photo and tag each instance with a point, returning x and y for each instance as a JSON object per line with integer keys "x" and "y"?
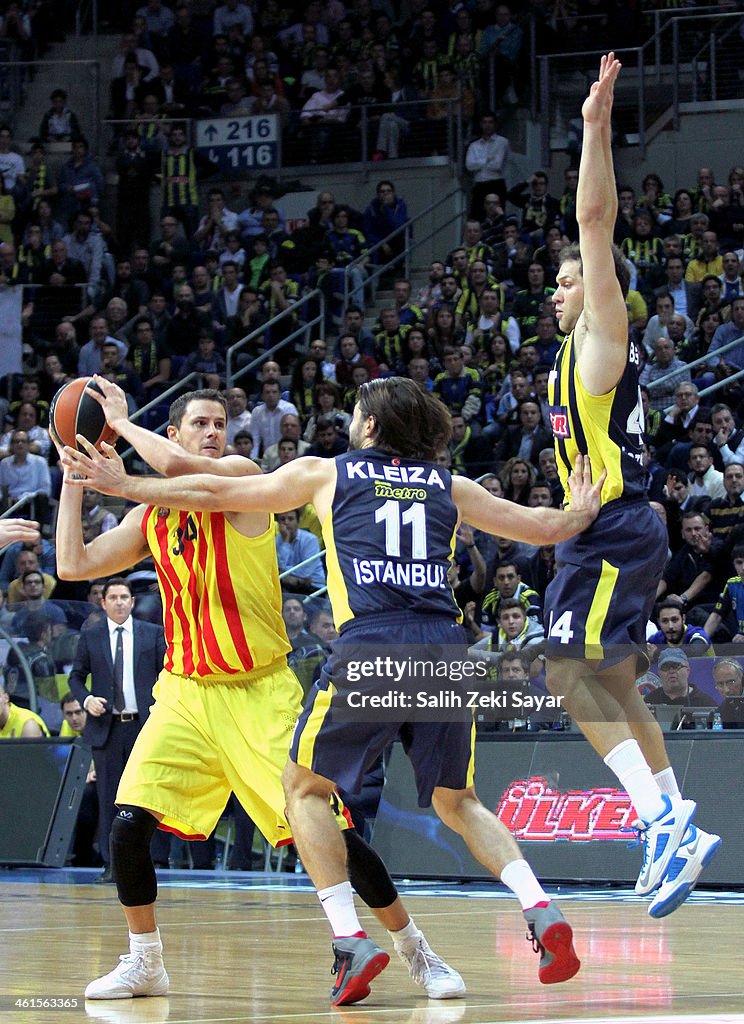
{"x": 551, "y": 936}
{"x": 358, "y": 962}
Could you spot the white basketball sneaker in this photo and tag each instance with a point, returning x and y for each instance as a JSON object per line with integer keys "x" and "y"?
{"x": 661, "y": 839}
{"x": 696, "y": 852}
{"x": 138, "y": 973}
{"x": 438, "y": 979}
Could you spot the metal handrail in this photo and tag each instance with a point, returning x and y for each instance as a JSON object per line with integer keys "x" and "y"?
{"x": 292, "y": 571}
{"x": 696, "y": 362}
{"x": 712, "y": 388}
{"x": 27, "y": 499}
{"x": 675, "y": 23}
{"x": 642, "y": 63}
{"x": 408, "y": 248}
{"x": 187, "y": 121}
{"x": 454, "y": 118}
{"x": 544, "y": 110}
{"x": 661, "y": 18}
{"x": 721, "y": 383}
{"x": 302, "y": 328}
{"x": 710, "y": 47}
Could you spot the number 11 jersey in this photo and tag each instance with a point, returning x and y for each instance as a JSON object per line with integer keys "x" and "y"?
{"x": 389, "y": 537}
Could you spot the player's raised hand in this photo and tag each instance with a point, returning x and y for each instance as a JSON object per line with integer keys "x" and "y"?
{"x": 585, "y": 495}
{"x": 597, "y": 106}
{"x": 103, "y": 471}
{"x": 113, "y": 401}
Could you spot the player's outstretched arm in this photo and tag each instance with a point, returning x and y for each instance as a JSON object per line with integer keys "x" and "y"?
{"x": 603, "y": 336}
{"x": 162, "y": 454}
{"x": 286, "y": 488}
{"x": 538, "y": 526}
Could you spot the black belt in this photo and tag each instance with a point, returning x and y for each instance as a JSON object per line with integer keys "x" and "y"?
{"x": 127, "y": 716}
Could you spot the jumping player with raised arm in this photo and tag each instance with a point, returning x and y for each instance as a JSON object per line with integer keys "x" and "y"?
{"x": 388, "y": 548}
{"x": 597, "y": 607}
{"x": 226, "y": 702}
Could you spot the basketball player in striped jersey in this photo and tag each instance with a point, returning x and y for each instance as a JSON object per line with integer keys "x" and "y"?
{"x": 226, "y": 701}
{"x": 389, "y": 518}
{"x": 597, "y": 607}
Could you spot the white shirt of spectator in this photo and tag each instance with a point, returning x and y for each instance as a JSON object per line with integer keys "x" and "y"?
{"x": 30, "y": 477}
{"x": 130, "y": 698}
{"x": 145, "y": 58}
{"x": 486, "y": 158}
{"x": 266, "y": 425}
{"x": 36, "y": 435}
{"x": 236, "y": 423}
{"x": 11, "y": 166}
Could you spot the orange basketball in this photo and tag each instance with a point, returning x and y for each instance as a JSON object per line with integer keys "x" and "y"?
{"x": 75, "y": 411}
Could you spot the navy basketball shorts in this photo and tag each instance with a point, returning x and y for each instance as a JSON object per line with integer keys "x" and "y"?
{"x": 341, "y": 743}
{"x": 599, "y": 603}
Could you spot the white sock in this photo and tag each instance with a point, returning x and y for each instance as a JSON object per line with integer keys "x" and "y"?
{"x": 407, "y": 936}
{"x": 666, "y": 780}
{"x": 338, "y": 905}
{"x": 142, "y": 940}
{"x": 520, "y": 878}
{"x": 628, "y": 764}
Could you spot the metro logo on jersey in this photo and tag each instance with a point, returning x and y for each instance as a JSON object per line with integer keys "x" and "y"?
{"x": 534, "y": 811}
{"x": 559, "y": 421}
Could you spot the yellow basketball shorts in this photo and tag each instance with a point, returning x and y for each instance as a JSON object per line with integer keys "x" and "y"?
{"x": 206, "y": 738}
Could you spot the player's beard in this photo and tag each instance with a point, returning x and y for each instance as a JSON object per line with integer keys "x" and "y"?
{"x": 355, "y": 441}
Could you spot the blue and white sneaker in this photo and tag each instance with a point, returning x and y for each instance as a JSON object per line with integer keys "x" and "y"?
{"x": 661, "y": 839}
{"x": 696, "y": 852}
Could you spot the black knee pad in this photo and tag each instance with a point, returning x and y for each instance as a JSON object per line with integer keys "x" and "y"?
{"x": 367, "y": 872}
{"x": 131, "y": 863}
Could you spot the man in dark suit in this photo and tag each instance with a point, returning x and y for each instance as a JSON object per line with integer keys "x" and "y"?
{"x": 61, "y": 270}
{"x": 686, "y": 295}
{"x": 123, "y": 658}
{"x": 529, "y": 438}
{"x": 172, "y": 93}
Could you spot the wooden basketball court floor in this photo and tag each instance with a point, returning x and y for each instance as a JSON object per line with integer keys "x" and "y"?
{"x": 255, "y": 947}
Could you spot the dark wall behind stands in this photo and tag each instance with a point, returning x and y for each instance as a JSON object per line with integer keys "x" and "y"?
{"x": 565, "y": 808}
{"x": 43, "y": 782}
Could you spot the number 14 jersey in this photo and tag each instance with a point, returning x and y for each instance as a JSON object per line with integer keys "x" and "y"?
{"x": 389, "y": 537}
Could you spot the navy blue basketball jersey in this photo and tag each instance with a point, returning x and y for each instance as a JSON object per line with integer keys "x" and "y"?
{"x": 389, "y": 537}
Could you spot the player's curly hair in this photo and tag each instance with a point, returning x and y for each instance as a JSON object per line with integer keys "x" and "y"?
{"x": 573, "y": 252}
{"x": 409, "y": 421}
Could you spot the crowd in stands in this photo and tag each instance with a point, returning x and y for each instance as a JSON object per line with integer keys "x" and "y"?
{"x": 327, "y": 70}
{"x": 146, "y": 305}
{"x": 479, "y": 332}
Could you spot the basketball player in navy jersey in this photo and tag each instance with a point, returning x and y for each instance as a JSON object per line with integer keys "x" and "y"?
{"x": 389, "y": 518}
{"x": 597, "y": 607}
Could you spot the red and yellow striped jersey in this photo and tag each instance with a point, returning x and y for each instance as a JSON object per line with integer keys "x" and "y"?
{"x": 221, "y": 594}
